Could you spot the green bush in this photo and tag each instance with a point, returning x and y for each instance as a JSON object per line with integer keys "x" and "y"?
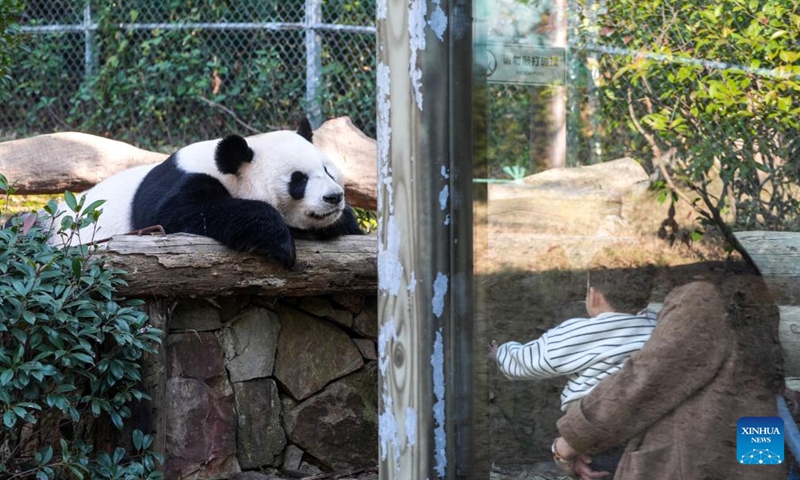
{"x": 713, "y": 108}
{"x": 162, "y": 88}
{"x": 9, "y": 38}
{"x": 69, "y": 353}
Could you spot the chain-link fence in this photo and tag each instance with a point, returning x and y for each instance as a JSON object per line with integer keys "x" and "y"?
{"x": 164, "y": 74}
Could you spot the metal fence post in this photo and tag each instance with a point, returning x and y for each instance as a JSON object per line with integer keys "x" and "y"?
{"x": 88, "y": 54}
{"x": 313, "y": 62}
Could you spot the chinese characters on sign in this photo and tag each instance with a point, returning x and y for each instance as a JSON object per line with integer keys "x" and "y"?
{"x": 526, "y": 65}
{"x": 531, "y": 60}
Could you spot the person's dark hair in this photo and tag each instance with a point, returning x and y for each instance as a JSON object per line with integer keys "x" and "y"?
{"x": 627, "y": 290}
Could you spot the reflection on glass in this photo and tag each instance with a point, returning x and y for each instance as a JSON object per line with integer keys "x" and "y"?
{"x": 680, "y": 175}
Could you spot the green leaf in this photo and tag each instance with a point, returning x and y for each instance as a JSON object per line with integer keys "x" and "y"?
{"x": 784, "y": 103}
{"x": 47, "y": 455}
{"x": 93, "y": 206}
{"x": 138, "y": 436}
{"x": 117, "y": 421}
{"x": 83, "y": 357}
{"x": 116, "y": 370}
{"x": 72, "y": 202}
{"x": 19, "y": 335}
{"x": 76, "y": 471}
{"x": 9, "y": 419}
{"x": 51, "y": 207}
{"x": 76, "y": 267}
{"x": 6, "y": 377}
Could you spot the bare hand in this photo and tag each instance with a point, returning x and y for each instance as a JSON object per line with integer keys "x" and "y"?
{"x": 493, "y": 350}
{"x": 583, "y": 471}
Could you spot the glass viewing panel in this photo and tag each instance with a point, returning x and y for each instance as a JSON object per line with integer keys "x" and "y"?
{"x": 648, "y": 151}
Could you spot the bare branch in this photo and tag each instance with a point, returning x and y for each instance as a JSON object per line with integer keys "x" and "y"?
{"x": 231, "y": 113}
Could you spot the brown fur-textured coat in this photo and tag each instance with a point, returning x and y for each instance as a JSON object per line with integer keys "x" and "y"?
{"x": 713, "y": 358}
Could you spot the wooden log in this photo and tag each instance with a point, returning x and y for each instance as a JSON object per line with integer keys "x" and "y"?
{"x": 356, "y": 154}
{"x": 777, "y": 254}
{"x": 50, "y": 164}
{"x": 789, "y": 335}
{"x": 789, "y": 331}
{"x": 183, "y": 265}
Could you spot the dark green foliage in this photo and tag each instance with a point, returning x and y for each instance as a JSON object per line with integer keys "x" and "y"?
{"x": 161, "y": 88}
{"x": 9, "y": 40}
{"x": 69, "y": 353}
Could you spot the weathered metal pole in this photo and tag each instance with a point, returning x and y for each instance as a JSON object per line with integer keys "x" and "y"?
{"x": 313, "y": 62}
{"x": 424, "y": 255}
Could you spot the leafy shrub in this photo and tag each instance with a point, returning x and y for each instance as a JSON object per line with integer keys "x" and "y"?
{"x": 710, "y": 104}
{"x": 69, "y": 353}
{"x": 158, "y": 88}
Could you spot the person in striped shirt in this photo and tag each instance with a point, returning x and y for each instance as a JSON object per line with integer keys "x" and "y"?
{"x": 587, "y": 350}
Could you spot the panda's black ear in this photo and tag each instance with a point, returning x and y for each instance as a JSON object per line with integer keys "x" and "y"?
{"x": 232, "y": 151}
{"x": 304, "y": 130}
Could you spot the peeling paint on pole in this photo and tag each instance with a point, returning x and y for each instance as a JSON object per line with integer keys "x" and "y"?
{"x": 440, "y": 286}
{"x": 439, "y": 435}
{"x": 438, "y": 20}
{"x": 412, "y": 283}
{"x": 416, "y": 43}
{"x": 443, "y": 196}
{"x": 384, "y": 133}
{"x": 387, "y": 423}
{"x": 411, "y": 426}
{"x": 439, "y": 293}
{"x": 380, "y": 10}
{"x": 390, "y": 269}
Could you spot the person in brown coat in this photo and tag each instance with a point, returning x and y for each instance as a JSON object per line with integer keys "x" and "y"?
{"x": 713, "y": 358}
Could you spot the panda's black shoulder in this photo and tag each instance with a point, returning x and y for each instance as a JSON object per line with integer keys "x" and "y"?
{"x": 167, "y": 185}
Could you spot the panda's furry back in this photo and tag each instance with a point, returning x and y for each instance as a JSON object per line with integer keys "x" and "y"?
{"x": 242, "y": 192}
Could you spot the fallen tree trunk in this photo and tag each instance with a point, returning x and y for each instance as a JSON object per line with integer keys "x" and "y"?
{"x": 183, "y": 265}
{"x": 50, "y": 164}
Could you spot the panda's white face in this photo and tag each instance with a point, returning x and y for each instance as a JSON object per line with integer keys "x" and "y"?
{"x": 295, "y": 177}
{"x": 284, "y": 169}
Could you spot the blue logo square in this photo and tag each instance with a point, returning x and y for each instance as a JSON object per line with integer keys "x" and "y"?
{"x": 759, "y": 440}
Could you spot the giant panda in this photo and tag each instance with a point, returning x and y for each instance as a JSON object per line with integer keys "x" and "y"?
{"x": 251, "y": 194}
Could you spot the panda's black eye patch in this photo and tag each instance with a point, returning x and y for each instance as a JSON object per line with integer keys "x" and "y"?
{"x": 297, "y": 185}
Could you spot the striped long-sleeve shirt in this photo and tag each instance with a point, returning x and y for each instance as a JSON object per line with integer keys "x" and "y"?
{"x": 586, "y": 350}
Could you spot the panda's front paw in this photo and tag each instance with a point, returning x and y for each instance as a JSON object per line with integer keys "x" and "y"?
{"x": 285, "y": 253}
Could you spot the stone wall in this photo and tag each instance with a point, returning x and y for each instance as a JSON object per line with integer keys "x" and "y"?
{"x": 270, "y": 385}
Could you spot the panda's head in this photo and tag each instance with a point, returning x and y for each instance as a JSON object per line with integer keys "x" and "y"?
{"x": 287, "y": 171}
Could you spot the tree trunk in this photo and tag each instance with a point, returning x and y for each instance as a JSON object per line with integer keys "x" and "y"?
{"x": 183, "y": 265}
